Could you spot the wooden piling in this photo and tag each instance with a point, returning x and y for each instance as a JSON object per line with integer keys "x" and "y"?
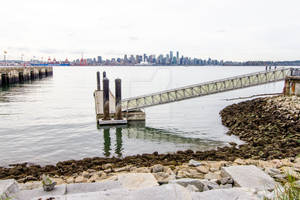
{"x": 32, "y": 75}
{"x": 98, "y": 81}
{"x": 4, "y": 81}
{"x": 104, "y": 74}
{"x": 21, "y": 77}
{"x": 118, "y": 96}
{"x": 287, "y": 88}
{"x": 106, "y": 114}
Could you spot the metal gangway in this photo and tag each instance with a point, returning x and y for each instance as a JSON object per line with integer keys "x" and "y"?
{"x": 207, "y": 88}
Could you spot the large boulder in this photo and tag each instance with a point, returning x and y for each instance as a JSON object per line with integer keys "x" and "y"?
{"x": 35, "y": 193}
{"x": 165, "y": 192}
{"x": 93, "y": 187}
{"x": 225, "y": 194}
{"x": 134, "y": 181}
{"x": 249, "y": 176}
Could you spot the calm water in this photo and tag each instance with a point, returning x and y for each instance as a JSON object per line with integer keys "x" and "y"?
{"x": 54, "y": 119}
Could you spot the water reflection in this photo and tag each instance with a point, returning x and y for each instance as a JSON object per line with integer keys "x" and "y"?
{"x": 107, "y": 142}
{"x": 139, "y": 131}
{"x": 119, "y": 148}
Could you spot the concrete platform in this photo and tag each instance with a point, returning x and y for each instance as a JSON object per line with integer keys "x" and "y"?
{"x": 130, "y": 116}
{"x": 112, "y": 122}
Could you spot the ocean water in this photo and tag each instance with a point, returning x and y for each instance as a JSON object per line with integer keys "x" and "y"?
{"x": 53, "y": 119}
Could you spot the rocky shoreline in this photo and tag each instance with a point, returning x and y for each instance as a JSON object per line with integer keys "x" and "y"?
{"x": 270, "y": 126}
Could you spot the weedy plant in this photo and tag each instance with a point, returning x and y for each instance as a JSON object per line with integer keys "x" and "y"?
{"x": 46, "y": 180}
{"x": 48, "y": 184}
{"x": 289, "y": 191}
{"x": 5, "y": 198}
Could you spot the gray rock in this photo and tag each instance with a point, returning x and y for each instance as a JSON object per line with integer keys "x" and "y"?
{"x": 192, "y": 188}
{"x": 226, "y": 186}
{"x": 194, "y": 163}
{"x": 185, "y": 182}
{"x": 165, "y": 192}
{"x": 266, "y": 195}
{"x": 249, "y": 176}
{"x": 209, "y": 185}
{"x": 230, "y": 181}
{"x": 225, "y": 194}
{"x": 275, "y": 173}
{"x": 157, "y": 168}
{"x": 224, "y": 181}
{"x": 8, "y": 187}
{"x": 297, "y": 183}
{"x": 103, "y": 195}
{"x": 93, "y": 187}
{"x": 212, "y": 176}
{"x": 86, "y": 174}
{"x": 137, "y": 180}
{"x": 30, "y": 194}
{"x": 163, "y": 177}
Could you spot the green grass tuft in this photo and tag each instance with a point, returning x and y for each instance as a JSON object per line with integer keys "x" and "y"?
{"x": 290, "y": 191}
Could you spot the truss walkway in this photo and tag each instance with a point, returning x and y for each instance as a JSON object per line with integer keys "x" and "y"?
{"x": 207, "y": 88}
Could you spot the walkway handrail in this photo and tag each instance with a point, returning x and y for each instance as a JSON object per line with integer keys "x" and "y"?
{"x": 209, "y": 82}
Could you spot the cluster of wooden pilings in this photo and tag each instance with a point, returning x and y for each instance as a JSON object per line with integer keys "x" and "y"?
{"x": 109, "y": 104}
{"x": 14, "y": 75}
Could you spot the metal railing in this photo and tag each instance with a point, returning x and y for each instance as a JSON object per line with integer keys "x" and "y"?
{"x": 207, "y": 88}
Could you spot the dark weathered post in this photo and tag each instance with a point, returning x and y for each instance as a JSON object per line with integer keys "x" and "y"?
{"x": 32, "y": 75}
{"x": 106, "y": 115}
{"x": 21, "y": 77}
{"x": 104, "y": 74}
{"x": 287, "y": 88}
{"x": 98, "y": 81}
{"x": 4, "y": 79}
{"x": 118, "y": 95}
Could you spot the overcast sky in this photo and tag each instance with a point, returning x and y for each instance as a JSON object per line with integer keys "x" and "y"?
{"x": 221, "y": 29}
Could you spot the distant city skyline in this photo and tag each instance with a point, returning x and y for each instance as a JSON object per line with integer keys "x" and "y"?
{"x": 169, "y": 59}
{"x": 228, "y": 30}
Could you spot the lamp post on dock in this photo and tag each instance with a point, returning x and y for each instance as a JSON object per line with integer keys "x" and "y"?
{"x": 5, "y": 52}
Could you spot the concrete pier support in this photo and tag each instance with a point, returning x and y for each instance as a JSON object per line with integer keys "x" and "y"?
{"x": 15, "y": 75}
{"x": 292, "y": 86}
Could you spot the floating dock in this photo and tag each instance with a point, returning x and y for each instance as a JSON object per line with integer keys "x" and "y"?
{"x": 14, "y": 75}
{"x": 109, "y": 106}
